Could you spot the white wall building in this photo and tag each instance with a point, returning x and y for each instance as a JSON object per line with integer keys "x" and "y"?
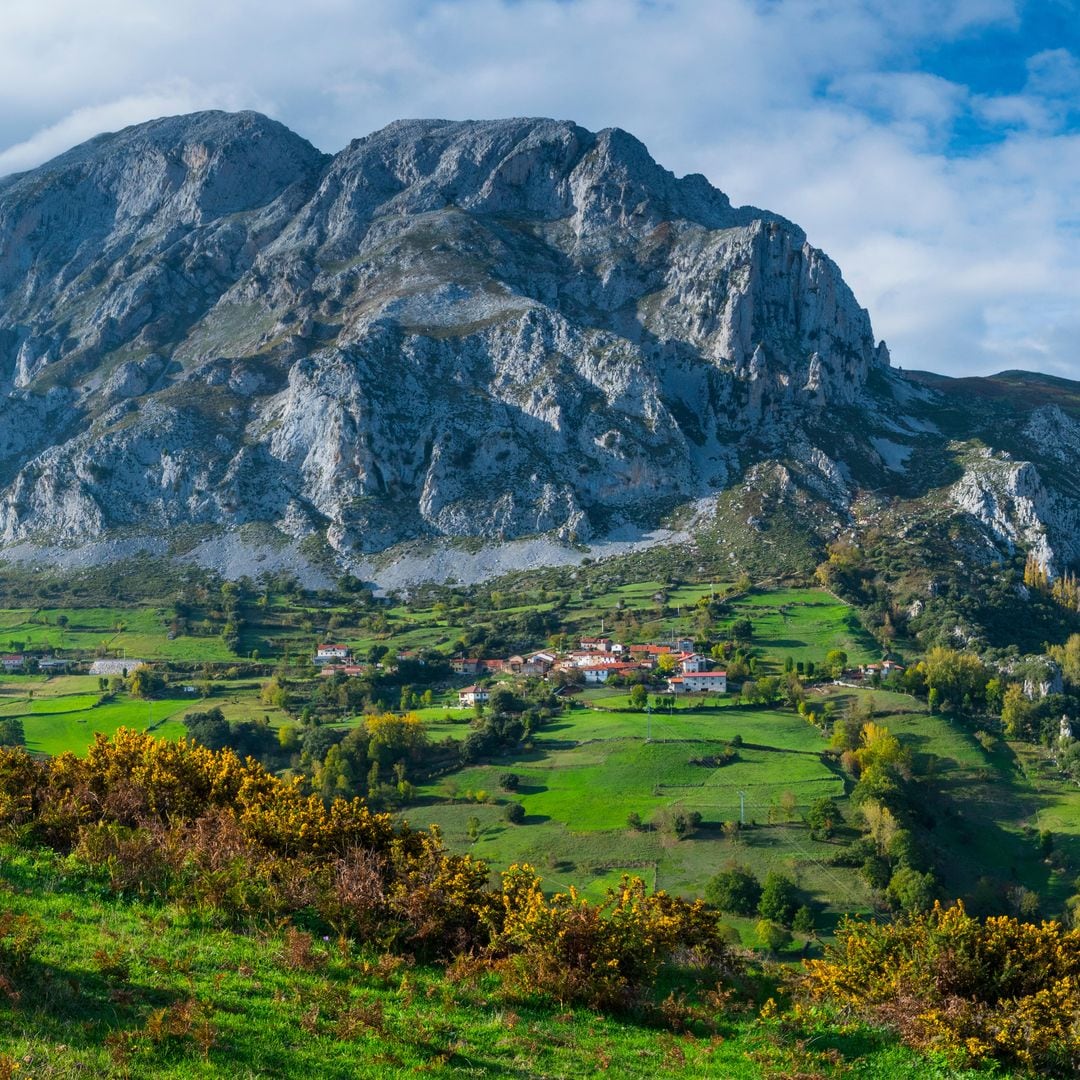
{"x": 702, "y": 682}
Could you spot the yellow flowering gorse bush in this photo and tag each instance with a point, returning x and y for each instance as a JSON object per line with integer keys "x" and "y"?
{"x": 998, "y": 988}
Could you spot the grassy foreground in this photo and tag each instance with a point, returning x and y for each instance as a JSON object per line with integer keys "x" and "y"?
{"x": 123, "y": 988}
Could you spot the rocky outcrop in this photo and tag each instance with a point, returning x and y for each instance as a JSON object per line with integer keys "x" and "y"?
{"x": 487, "y": 329}
{"x": 1011, "y": 501}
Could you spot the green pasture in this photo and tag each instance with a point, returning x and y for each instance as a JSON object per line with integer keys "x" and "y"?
{"x": 589, "y": 769}
{"x": 64, "y": 714}
{"x": 141, "y": 632}
{"x": 804, "y": 624}
{"x": 104, "y": 967}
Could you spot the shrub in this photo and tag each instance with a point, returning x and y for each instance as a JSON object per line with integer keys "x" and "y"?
{"x": 514, "y": 813}
{"x": 995, "y": 989}
{"x": 772, "y": 935}
{"x": 19, "y": 937}
{"x": 601, "y": 955}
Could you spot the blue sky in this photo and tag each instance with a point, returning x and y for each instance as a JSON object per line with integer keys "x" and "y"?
{"x": 931, "y": 147}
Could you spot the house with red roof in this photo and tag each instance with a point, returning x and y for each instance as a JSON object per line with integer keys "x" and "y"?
{"x": 701, "y": 682}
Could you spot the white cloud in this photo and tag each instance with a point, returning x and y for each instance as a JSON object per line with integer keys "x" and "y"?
{"x": 813, "y": 108}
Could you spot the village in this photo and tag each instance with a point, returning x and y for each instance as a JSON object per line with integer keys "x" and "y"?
{"x": 674, "y": 668}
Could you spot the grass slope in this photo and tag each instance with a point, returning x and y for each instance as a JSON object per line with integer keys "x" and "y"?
{"x": 135, "y": 990}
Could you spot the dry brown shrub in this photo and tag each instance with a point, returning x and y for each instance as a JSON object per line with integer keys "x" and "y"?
{"x": 297, "y": 950}
{"x": 357, "y": 901}
{"x": 361, "y": 1016}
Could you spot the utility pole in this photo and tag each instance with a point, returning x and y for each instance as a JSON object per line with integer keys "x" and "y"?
{"x": 648, "y": 732}
{"x": 742, "y": 807}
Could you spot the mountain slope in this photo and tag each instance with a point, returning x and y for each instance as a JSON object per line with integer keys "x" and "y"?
{"x": 467, "y": 330}
{"x": 470, "y": 329}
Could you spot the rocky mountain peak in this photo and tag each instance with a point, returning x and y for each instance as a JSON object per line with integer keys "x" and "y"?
{"x": 448, "y": 328}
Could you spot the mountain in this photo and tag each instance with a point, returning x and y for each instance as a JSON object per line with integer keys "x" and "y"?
{"x": 211, "y": 334}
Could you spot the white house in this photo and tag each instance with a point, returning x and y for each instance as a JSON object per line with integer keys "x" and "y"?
{"x": 600, "y": 673}
{"x": 596, "y": 673}
{"x": 694, "y": 663}
{"x": 472, "y": 695}
{"x": 701, "y": 682}
{"x": 331, "y": 654}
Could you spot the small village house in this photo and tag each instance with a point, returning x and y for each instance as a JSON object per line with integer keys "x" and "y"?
{"x": 472, "y": 695}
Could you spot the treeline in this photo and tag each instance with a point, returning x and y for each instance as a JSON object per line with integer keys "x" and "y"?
{"x": 385, "y": 754}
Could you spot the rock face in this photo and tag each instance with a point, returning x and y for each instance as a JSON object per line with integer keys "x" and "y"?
{"x": 486, "y": 329}
{"x": 468, "y": 329}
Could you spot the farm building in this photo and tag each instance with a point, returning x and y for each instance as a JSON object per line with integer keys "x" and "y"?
{"x": 115, "y": 667}
{"x": 702, "y": 682}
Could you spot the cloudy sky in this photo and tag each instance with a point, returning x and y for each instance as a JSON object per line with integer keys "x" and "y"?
{"x": 932, "y": 147}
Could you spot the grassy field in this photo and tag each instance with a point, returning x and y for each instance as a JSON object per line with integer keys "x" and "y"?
{"x": 66, "y": 712}
{"x": 586, "y": 772}
{"x": 590, "y": 769}
{"x": 139, "y": 632}
{"x": 125, "y": 989}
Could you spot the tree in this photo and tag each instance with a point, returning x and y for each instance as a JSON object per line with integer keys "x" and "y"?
{"x": 472, "y": 828}
{"x": 735, "y": 890}
{"x": 145, "y": 682}
{"x": 11, "y": 732}
{"x": 779, "y": 898}
{"x": 209, "y": 729}
{"x": 666, "y": 663}
{"x": 639, "y": 696}
{"x": 823, "y": 817}
{"x": 1016, "y": 712}
{"x": 1068, "y": 656}
{"x": 275, "y": 693}
{"x": 771, "y": 935}
{"x": 514, "y": 813}
{"x": 803, "y": 923}
{"x": 396, "y": 738}
{"x": 955, "y": 675}
{"x": 835, "y": 662}
{"x": 911, "y": 891}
